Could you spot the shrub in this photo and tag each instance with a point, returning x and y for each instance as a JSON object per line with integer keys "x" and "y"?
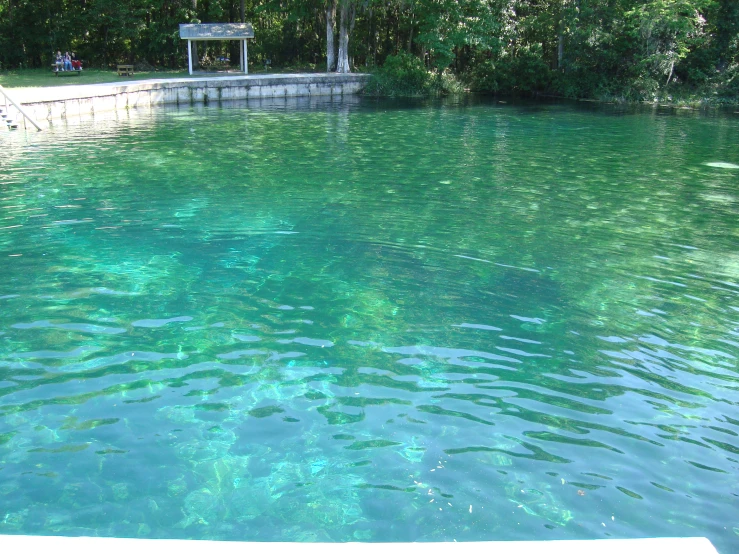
{"x": 405, "y": 75}
{"x": 446, "y": 83}
{"x": 402, "y": 75}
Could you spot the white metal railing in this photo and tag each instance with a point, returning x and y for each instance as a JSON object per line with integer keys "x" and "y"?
{"x": 18, "y": 107}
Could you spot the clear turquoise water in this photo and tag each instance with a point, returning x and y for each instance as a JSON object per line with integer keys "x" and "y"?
{"x": 372, "y": 321}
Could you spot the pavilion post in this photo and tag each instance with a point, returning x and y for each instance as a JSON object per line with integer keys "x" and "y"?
{"x": 246, "y": 59}
{"x": 189, "y": 55}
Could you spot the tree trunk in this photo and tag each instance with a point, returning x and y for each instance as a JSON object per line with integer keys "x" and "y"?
{"x": 330, "y": 41}
{"x": 410, "y": 35}
{"x": 373, "y": 39}
{"x": 346, "y": 26}
{"x": 242, "y": 12}
{"x": 560, "y": 50}
{"x": 388, "y": 41}
{"x": 561, "y": 36}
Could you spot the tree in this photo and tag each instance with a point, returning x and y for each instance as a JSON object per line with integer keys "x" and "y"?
{"x": 664, "y": 29}
{"x": 330, "y": 41}
{"x": 346, "y": 26}
{"x": 446, "y": 26}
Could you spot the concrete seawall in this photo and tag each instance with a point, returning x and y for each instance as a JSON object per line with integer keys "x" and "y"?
{"x": 50, "y": 104}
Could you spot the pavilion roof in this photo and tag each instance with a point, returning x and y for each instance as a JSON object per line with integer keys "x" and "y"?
{"x": 216, "y": 31}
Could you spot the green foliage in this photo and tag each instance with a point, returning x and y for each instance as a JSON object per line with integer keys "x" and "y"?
{"x": 402, "y": 75}
{"x": 662, "y": 32}
{"x": 446, "y": 26}
{"x": 405, "y": 75}
{"x": 445, "y": 83}
{"x": 525, "y": 72}
{"x": 729, "y": 84}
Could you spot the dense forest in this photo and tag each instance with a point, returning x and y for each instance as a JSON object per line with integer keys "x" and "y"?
{"x": 631, "y": 49}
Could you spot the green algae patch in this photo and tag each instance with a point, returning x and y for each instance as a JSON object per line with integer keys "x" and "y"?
{"x": 339, "y": 418}
{"x": 265, "y": 411}
{"x": 630, "y": 493}
{"x": 74, "y": 424}
{"x": 67, "y": 448}
{"x": 212, "y": 407}
{"x": 376, "y": 443}
{"x": 143, "y": 400}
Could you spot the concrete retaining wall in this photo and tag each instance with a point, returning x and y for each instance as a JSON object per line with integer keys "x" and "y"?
{"x": 50, "y": 104}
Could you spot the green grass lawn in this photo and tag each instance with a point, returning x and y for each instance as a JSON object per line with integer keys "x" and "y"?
{"x": 45, "y": 78}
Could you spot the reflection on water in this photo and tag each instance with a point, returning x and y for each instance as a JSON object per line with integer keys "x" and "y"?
{"x": 372, "y": 321}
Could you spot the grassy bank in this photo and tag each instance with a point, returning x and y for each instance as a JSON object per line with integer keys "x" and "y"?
{"x": 22, "y": 78}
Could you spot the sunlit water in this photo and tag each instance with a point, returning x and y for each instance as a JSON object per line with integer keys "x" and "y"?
{"x": 372, "y": 321}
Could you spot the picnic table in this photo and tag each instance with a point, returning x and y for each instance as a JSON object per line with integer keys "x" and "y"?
{"x": 124, "y": 69}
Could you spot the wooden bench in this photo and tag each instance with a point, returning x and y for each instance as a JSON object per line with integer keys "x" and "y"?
{"x": 125, "y": 69}
{"x": 56, "y": 71}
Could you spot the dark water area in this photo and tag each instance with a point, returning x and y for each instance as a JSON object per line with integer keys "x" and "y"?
{"x": 372, "y": 321}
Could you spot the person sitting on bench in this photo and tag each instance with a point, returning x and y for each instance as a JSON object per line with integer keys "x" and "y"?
{"x": 76, "y": 63}
{"x": 67, "y": 62}
{"x": 59, "y": 61}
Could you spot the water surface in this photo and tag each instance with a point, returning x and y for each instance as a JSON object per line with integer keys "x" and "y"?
{"x": 332, "y": 321}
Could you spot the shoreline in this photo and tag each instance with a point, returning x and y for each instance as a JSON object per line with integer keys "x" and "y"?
{"x": 50, "y": 104}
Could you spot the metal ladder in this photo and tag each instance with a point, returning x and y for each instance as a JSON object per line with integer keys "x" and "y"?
{"x": 10, "y": 123}
{"x": 7, "y": 117}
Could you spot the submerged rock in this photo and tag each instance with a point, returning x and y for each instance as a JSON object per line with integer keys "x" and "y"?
{"x": 201, "y": 507}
